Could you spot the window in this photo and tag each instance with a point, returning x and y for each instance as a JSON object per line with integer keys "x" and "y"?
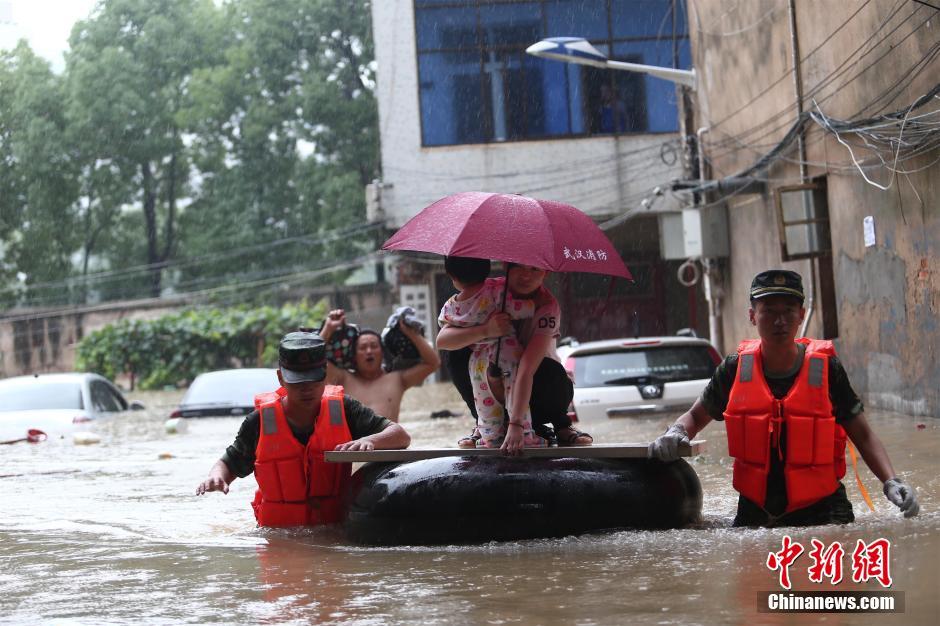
{"x": 104, "y": 399}
{"x": 803, "y": 224}
{"x": 477, "y": 84}
{"x": 803, "y": 221}
{"x": 642, "y": 366}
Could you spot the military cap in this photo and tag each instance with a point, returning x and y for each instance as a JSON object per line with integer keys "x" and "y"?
{"x": 777, "y": 283}
{"x": 302, "y": 357}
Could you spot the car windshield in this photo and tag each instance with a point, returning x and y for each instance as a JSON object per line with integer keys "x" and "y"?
{"x": 235, "y": 388}
{"x": 640, "y": 366}
{"x": 41, "y": 394}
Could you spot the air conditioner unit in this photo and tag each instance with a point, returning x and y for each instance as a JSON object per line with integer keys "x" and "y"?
{"x": 694, "y": 233}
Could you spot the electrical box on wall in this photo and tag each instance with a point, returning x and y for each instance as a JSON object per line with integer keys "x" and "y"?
{"x": 694, "y": 233}
{"x": 375, "y": 212}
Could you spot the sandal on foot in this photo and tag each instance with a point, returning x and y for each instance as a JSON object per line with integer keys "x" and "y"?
{"x": 573, "y": 437}
{"x": 470, "y": 441}
{"x": 546, "y": 433}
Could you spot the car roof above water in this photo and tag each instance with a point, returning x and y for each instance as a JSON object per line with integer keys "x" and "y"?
{"x": 52, "y": 377}
{"x": 631, "y": 342}
{"x": 245, "y": 372}
{"x": 234, "y": 386}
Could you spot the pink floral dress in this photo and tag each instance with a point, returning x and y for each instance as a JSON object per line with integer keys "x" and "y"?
{"x": 474, "y": 311}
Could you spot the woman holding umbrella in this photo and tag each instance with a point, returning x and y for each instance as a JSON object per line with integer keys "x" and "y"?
{"x": 532, "y": 235}
{"x": 537, "y": 335}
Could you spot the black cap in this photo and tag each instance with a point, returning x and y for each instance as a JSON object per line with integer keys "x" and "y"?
{"x": 302, "y": 357}
{"x": 777, "y": 283}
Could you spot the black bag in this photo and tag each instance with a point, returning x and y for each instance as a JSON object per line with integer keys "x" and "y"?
{"x": 398, "y": 351}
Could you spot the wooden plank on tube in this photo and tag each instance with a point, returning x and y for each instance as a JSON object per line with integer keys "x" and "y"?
{"x": 597, "y": 451}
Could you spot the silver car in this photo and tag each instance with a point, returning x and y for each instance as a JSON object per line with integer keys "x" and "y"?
{"x": 638, "y": 376}
{"x": 57, "y": 404}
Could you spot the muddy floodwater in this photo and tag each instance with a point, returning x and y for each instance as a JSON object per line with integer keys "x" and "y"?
{"x": 112, "y": 534}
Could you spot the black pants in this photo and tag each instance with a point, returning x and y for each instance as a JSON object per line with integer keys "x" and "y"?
{"x": 833, "y": 509}
{"x": 551, "y": 389}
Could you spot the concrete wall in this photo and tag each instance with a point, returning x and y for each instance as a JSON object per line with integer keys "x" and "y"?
{"x": 888, "y": 295}
{"x": 36, "y": 341}
{"x": 600, "y": 175}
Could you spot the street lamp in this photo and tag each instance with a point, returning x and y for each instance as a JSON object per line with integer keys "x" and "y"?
{"x": 579, "y": 50}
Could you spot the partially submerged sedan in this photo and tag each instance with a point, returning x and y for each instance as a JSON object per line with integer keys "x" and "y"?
{"x": 57, "y": 404}
{"x": 226, "y": 392}
{"x": 638, "y": 376}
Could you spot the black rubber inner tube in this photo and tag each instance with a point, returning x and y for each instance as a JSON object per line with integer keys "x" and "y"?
{"x": 478, "y": 499}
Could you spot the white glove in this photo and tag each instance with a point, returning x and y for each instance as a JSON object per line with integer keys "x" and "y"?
{"x": 666, "y": 446}
{"x": 902, "y": 495}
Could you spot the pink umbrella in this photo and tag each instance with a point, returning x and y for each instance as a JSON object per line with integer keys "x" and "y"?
{"x": 517, "y": 229}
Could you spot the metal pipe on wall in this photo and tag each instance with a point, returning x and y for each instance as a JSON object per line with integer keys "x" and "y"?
{"x": 710, "y": 280}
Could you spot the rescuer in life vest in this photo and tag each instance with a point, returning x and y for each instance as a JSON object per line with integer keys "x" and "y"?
{"x": 787, "y": 405}
{"x": 283, "y": 440}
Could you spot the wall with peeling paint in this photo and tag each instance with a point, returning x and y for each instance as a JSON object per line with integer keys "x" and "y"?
{"x": 865, "y": 59}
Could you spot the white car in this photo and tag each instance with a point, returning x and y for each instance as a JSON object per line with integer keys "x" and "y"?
{"x": 57, "y": 404}
{"x": 637, "y": 376}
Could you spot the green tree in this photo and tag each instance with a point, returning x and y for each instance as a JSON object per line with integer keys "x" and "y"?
{"x": 184, "y": 137}
{"x": 287, "y": 134}
{"x": 175, "y": 348}
{"x": 38, "y": 188}
{"x": 128, "y": 71}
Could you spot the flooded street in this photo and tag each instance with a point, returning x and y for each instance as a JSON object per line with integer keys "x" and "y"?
{"x": 112, "y": 534}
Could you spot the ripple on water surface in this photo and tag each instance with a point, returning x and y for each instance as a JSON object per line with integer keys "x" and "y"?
{"x": 112, "y": 534}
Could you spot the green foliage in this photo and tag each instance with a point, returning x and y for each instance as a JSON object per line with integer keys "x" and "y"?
{"x": 38, "y": 188}
{"x": 175, "y": 348}
{"x": 180, "y": 136}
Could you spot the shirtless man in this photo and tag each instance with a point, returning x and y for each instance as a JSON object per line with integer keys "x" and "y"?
{"x": 379, "y": 390}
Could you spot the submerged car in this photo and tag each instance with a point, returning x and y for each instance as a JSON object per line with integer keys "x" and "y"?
{"x": 57, "y": 404}
{"x": 638, "y": 376}
{"x": 226, "y": 392}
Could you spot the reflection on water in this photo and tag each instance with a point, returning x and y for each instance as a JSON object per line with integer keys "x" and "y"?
{"x": 112, "y": 533}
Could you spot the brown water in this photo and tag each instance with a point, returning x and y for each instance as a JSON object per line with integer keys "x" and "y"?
{"x": 112, "y": 534}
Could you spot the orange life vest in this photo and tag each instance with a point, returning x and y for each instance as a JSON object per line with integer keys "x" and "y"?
{"x": 815, "y": 446}
{"x": 296, "y": 486}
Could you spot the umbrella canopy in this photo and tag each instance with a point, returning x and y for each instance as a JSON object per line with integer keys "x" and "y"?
{"x": 517, "y": 229}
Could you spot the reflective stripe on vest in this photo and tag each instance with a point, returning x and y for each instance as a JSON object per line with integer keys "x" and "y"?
{"x": 815, "y": 446}
{"x": 296, "y": 487}
{"x": 268, "y": 420}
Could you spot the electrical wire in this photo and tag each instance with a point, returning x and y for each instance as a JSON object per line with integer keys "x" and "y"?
{"x": 765, "y": 90}
{"x": 738, "y": 31}
{"x": 835, "y": 74}
{"x": 139, "y": 270}
{"x": 193, "y": 297}
{"x": 893, "y": 91}
{"x": 930, "y": 139}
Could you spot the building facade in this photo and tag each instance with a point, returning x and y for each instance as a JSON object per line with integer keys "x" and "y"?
{"x": 463, "y": 108}
{"x": 836, "y": 111}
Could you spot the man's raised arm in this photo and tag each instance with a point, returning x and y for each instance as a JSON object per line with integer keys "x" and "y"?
{"x": 430, "y": 361}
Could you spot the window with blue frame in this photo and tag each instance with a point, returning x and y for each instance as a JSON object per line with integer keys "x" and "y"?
{"x": 477, "y": 84}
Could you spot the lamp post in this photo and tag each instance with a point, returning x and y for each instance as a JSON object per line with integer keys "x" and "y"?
{"x": 579, "y": 50}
